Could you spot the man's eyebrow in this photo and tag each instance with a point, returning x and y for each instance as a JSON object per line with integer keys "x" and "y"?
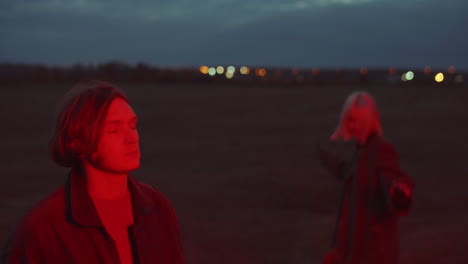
{"x": 118, "y": 121}
{"x": 114, "y": 122}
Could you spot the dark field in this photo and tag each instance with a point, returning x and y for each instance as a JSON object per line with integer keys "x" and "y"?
{"x": 240, "y": 167}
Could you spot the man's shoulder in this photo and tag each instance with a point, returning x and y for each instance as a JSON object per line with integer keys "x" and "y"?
{"x": 45, "y": 211}
{"x": 153, "y": 194}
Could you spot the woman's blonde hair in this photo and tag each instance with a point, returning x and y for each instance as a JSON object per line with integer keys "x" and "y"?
{"x": 363, "y": 101}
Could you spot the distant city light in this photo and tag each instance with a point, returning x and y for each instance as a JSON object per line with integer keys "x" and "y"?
{"x": 391, "y": 71}
{"x": 363, "y": 71}
{"x": 220, "y": 69}
{"x": 204, "y": 69}
{"x": 315, "y": 71}
{"x": 403, "y": 77}
{"x": 409, "y": 75}
{"x": 451, "y": 70}
{"x": 231, "y": 69}
{"x": 427, "y": 70}
{"x": 439, "y": 77}
{"x": 212, "y": 71}
{"x": 229, "y": 74}
{"x": 260, "y": 72}
{"x": 459, "y": 79}
{"x": 244, "y": 70}
{"x": 295, "y": 71}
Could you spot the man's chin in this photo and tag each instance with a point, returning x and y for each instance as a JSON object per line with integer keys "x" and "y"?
{"x": 133, "y": 168}
{"x": 126, "y": 170}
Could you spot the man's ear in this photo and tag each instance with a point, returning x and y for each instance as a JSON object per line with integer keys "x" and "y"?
{"x": 77, "y": 147}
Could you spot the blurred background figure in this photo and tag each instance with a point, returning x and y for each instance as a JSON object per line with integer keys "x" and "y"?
{"x": 376, "y": 191}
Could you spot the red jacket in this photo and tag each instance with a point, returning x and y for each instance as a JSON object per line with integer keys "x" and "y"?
{"x": 367, "y": 227}
{"x": 65, "y": 228}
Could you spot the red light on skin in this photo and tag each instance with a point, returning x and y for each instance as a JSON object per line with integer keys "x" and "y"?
{"x": 134, "y": 154}
{"x": 118, "y": 149}
{"x": 315, "y": 71}
{"x": 392, "y": 71}
{"x": 451, "y": 70}
{"x": 363, "y": 71}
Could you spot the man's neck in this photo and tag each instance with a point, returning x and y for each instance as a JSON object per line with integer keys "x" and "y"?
{"x": 105, "y": 185}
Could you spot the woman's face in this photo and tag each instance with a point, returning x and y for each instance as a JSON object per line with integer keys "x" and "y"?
{"x": 356, "y": 123}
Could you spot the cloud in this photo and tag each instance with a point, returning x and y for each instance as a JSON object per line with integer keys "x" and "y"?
{"x": 153, "y": 10}
{"x": 275, "y": 32}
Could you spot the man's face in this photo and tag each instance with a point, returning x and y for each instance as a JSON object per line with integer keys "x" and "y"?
{"x": 118, "y": 150}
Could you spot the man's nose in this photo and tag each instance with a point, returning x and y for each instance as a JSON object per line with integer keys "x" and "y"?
{"x": 131, "y": 136}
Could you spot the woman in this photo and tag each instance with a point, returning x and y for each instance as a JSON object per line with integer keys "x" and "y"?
{"x": 375, "y": 191}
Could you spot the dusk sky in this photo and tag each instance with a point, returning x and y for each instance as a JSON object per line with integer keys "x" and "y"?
{"x": 287, "y": 33}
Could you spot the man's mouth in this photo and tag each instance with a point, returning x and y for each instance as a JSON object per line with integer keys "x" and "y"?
{"x": 133, "y": 153}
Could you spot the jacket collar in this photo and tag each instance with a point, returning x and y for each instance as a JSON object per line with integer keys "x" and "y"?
{"x": 80, "y": 207}
{"x": 371, "y": 140}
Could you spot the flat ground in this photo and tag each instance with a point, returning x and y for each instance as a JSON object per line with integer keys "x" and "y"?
{"x": 239, "y": 164}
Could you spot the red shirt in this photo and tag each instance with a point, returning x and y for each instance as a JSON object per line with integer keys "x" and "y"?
{"x": 116, "y": 216}
{"x": 65, "y": 227}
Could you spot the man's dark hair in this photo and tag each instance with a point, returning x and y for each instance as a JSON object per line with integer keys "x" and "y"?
{"x": 80, "y": 121}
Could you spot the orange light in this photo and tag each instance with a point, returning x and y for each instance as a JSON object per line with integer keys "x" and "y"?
{"x": 260, "y": 72}
{"x": 451, "y": 70}
{"x": 315, "y": 71}
{"x": 363, "y": 71}
{"x": 204, "y": 69}
{"x": 427, "y": 70}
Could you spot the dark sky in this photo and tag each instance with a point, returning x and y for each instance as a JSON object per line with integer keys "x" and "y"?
{"x": 307, "y": 33}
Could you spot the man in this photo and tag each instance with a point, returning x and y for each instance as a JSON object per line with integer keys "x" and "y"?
{"x": 376, "y": 191}
{"x": 101, "y": 214}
